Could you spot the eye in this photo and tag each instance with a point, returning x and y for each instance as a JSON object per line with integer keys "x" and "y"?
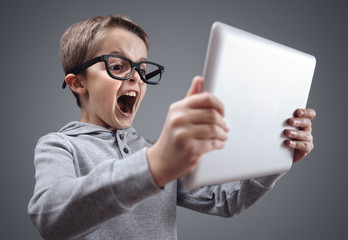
{"x": 117, "y": 64}
{"x": 115, "y": 67}
{"x": 143, "y": 72}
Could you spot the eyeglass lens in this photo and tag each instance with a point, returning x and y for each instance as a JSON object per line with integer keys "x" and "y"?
{"x": 121, "y": 68}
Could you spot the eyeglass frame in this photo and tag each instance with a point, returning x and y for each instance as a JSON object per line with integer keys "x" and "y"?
{"x": 134, "y": 66}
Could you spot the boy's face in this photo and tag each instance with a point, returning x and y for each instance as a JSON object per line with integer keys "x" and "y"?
{"x": 105, "y": 103}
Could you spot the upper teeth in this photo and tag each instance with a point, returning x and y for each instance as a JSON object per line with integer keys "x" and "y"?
{"x": 131, "y": 94}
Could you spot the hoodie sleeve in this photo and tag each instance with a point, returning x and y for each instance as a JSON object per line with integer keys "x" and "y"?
{"x": 225, "y": 200}
{"x": 65, "y": 206}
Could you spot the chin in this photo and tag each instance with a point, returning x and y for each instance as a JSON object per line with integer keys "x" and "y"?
{"x": 124, "y": 124}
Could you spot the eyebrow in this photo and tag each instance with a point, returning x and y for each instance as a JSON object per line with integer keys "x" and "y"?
{"x": 120, "y": 53}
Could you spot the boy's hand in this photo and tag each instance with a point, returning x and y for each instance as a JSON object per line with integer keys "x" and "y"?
{"x": 194, "y": 126}
{"x": 301, "y": 140}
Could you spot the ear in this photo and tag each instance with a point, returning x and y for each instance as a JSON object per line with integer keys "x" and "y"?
{"x": 75, "y": 83}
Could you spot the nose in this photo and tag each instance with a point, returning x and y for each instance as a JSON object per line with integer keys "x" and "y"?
{"x": 135, "y": 77}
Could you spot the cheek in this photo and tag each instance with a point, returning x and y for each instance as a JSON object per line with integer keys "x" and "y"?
{"x": 143, "y": 92}
{"x": 106, "y": 92}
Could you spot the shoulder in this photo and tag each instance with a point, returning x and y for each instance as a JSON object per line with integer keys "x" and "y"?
{"x": 56, "y": 139}
{"x": 53, "y": 140}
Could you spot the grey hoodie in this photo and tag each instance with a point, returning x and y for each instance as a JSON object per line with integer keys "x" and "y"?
{"x": 92, "y": 183}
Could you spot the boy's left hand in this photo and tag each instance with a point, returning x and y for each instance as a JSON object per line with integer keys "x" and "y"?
{"x": 301, "y": 139}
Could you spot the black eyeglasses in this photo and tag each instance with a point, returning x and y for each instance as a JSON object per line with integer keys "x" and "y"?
{"x": 122, "y": 68}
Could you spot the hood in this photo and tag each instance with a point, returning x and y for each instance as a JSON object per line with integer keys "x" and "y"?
{"x": 76, "y": 128}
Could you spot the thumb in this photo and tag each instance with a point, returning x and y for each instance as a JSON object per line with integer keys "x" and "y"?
{"x": 196, "y": 86}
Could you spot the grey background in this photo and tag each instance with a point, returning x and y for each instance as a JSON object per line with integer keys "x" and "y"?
{"x": 308, "y": 203}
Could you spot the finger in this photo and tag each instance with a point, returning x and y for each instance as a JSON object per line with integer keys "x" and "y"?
{"x": 205, "y": 100}
{"x": 210, "y": 145}
{"x": 302, "y": 149}
{"x": 207, "y": 132}
{"x": 204, "y": 116}
{"x": 298, "y": 155}
{"x": 303, "y": 123}
{"x": 298, "y": 135}
{"x": 196, "y": 86}
{"x": 305, "y": 113}
{"x": 302, "y": 146}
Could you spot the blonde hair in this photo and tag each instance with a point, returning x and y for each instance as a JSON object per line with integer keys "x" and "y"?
{"x": 80, "y": 41}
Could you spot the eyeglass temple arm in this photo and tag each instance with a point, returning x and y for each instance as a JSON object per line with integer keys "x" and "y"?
{"x": 64, "y": 84}
{"x": 154, "y": 73}
{"x": 84, "y": 66}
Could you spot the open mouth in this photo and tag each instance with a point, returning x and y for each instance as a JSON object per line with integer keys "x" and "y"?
{"x": 125, "y": 102}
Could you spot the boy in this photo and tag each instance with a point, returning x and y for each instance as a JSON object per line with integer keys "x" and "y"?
{"x": 97, "y": 179}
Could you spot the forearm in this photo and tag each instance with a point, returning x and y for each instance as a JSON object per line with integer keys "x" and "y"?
{"x": 66, "y": 207}
{"x": 226, "y": 200}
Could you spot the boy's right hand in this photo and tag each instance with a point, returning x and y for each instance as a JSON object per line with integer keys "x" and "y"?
{"x": 195, "y": 125}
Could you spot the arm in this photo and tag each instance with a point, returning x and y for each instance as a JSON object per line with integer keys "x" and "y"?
{"x": 65, "y": 206}
{"x": 225, "y": 200}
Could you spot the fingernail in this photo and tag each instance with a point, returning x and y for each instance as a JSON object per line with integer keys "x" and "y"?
{"x": 295, "y": 122}
{"x": 291, "y": 134}
{"x": 301, "y": 113}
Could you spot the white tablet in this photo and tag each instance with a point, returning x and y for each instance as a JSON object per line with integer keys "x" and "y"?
{"x": 261, "y": 83}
